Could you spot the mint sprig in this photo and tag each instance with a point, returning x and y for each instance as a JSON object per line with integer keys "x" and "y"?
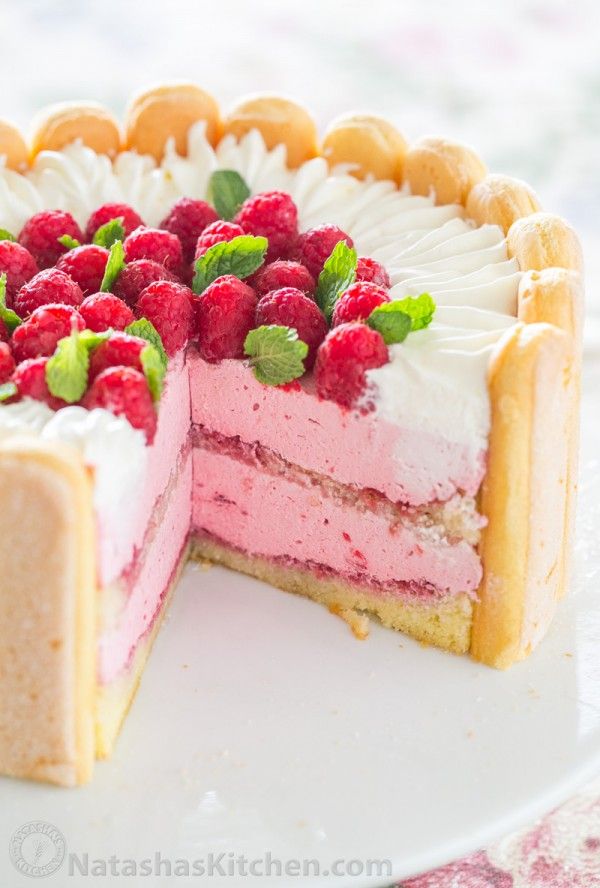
{"x": 420, "y": 310}
{"x": 227, "y": 191}
{"x": 154, "y": 370}
{"x": 11, "y": 318}
{"x": 276, "y": 354}
{"x": 396, "y": 319}
{"x": 144, "y": 329}
{"x": 67, "y": 369}
{"x": 7, "y": 390}
{"x": 338, "y": 274}
{"x": 6, "y": 235}
{"x": 69, "y": 242}
{"x": 109, "y": 233}
{"x": 114, "y": 266}
{"x": 240, "y": 257}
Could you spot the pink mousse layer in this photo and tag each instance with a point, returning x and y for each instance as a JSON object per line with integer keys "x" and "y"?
{"x": 277, "y": 518}
{"x": 149, "y": 578}
{"x": 116, "y": 552}
{"x": 406, "y": 465}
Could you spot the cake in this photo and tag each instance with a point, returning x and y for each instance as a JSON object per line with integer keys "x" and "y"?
{"x": 347, "y": 367}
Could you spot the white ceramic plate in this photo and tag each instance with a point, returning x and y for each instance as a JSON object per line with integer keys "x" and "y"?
{"x": 263, "y": 726}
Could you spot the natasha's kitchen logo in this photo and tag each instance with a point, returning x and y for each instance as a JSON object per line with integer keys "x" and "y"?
{"x": 37, "y": 849}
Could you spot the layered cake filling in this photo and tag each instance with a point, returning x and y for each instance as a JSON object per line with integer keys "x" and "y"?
{"x": 370, "y": 507}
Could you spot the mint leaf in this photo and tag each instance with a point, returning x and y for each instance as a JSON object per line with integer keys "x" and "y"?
{"x": 6, "y": 235}
{"x": 92, "y": 340}
{"x": 144, "y": 329}
{"x": 276, "y": 354}
{"x": 108, "y": 234}
{"x": 114, "y": 266}
{"x": 69, "y": 242}
{"x": 10, "y": 317}
{"x": 7, "y": 390}
{"x": 240, "y": 257}
{"x": 227, "y": 191}
{"x": 391, "y": 321}
{"x": 154, "y": 370}
{"x": 338, "y": 273}
{"x": 67, "y": 369}
{"x": 420, "y": 310}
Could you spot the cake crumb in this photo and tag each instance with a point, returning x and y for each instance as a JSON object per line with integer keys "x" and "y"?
{"x": 359, "y": 623}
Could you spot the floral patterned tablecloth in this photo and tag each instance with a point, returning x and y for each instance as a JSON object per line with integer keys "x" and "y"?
{"x": 520, "y": 79}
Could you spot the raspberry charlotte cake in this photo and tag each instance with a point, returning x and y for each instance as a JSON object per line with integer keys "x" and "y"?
{"x": 348, "y": 369}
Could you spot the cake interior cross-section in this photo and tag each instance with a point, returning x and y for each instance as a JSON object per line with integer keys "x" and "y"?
{"x": 267, "y": 359}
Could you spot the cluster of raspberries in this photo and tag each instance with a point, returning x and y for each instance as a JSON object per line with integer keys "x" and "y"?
{"x": 56, "y": 289}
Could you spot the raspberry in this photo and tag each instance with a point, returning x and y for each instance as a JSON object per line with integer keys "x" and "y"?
{"x": 105, "y": 311}
{"x": 85, "y": 265}
{"x": 224, "y": 317}
{"x": 51, "y": 285}
{"x": 283, "y": 274}
{"x": 4, "y": 333}
{"x": 357, "y": 302}
{"x": 41, "y": 233}
{"x": 7, "y": 362}
{"x": 152, "y": 243}
{"x": 274, "y": 215}
{"x": 292, "y": 308}
{"x": 217, "y": 233}
{"x": 124, "y": 391}
{"x": 109, "y": 211}
{"x": 188, "y": 219}
{"x": 38, "y": 335}
{"x": 18, "y": 265}
{"x": 120, "y": 350}
{"x": 314, "y": 246}
{"x": 368, "y": 269}
{"x": 343, "y": 359}
{"x": 30, "y": 379}
{"x": 138, "y": 275}
{"x": 170, "y": 308}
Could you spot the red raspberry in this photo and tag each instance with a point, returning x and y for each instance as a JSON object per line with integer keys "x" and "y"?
{"x": 109, "y": 211}
{"x": 343, "y": 359}
{"x": 274, "y": 215}
{"x": 30, "y": 379}
{"x": 51, "y": 285}
{"x": 224, "y": 317}
{"x": 292, "y": 308}
{"x": 138, "y": 275}
{"x": 124, "y": 391}
{"x": 368, "y": 269}
{"x": 314, "y": 246}
{"x": 188, "y": 219}
{"x": 86, "y": 266}
{"x": 357, "y": 303}
{"x": 4, "y": 334}
{"x": 283, "y": 274}
{"x": 217, "y": 233}
{"x": 152, "y": 243}
{"x": 18, "y": 265}
{"x": 170, "y": 308}
{"x": 120, "y": 350}
{"x": 7, "y": 362}
{"x": 105, "y": 311}
{"x": 38, "y": 335}
{"x": 41, "y": 233}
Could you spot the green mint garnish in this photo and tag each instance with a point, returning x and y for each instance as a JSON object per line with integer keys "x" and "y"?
{"x": 240, "y": 257}
{"x": 69, "y": 242}
{"x": 6, "y": 235}
{"x": 67, "y": 369}
{"x": 338, "y": 274}
{"x": 227, "y": 191}
{"x": 92, "y": 340}
{"x": 114, "y": 266}
{"x": 109, "y": 233}
{"x": 154, "y": 370}
{"x": 276, "y": 354}
{"x": 389, "y": 320}
{"x": 7, "y": 390}
{"x": 10, "y": 317}
{"x": 420, "y": 310}
{"x": 144, "y": 329}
